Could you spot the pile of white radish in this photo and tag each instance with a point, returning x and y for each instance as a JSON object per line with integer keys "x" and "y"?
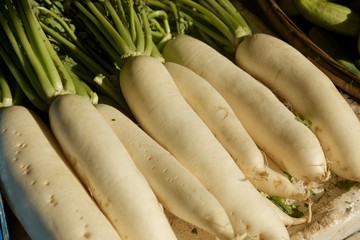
{"x": 272, "y": 126}
{"x": 209, "y": 139}
{"x": 177, "y": 189}
{"x": 41, "y": 189}
{"x": 286, "y": 72}
{"x": 163, "y": 113}
{"x": 105, "y": 167}
{"x": 311, "y": 94}
{"x": 222, "y": 121}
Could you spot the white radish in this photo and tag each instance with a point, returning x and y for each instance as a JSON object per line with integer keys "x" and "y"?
{"x": 42, "y": 191}
{"x": 311, "y": 94}
{"x": 271, "y": 125}
{"x": 102, "y": 163}
{"x": 286, "y": 219}
{"x": 212, "y": 108}
{"x": 163, "y": 113}
{"x": 177, "y": 189}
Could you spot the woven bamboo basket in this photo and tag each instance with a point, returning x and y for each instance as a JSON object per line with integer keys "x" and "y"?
{"x": 286, "y": 28}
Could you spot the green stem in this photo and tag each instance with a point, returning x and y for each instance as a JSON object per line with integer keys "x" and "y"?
{"x": 139, "y": 36}
{"x": 96, "y": 28}
{"x": 72, "y": 42}
{"x": 6, "y": 95}
{"x": 176, "y": 13}
{"x": 9, "y": 42}
{"x": 92, "y": 65}
{"x": 35, "y": 32}
{"x": 147, "y": 32}
{"x": 164, "y": 31}
{"x": 168, "y": 7}
{"x": 66, "y": 27}
{"x": 231, "y": 18}
{"x": 121, "y": 11}
{"x": 156, "y": 53}
{"x": 21, "y": 80}
{"x": 212, "y": 18}
{"x": 104, "y": 43}
{"x": 230, "y": 9}
{"x": 125, "y": 49}
{"x": 99, "y": 82}
{"x": 131, "y": 19}
{"x": 155, "y": 23}
{"x": 124, "y": 32}
{"x": 35, "y": 62}
{"x": 213, "y": 34}
{"x": 111, "y": 91}
{"x": 83, "y": 89}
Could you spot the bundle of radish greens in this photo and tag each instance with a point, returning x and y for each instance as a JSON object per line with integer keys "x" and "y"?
{"x": 112, "y": 111}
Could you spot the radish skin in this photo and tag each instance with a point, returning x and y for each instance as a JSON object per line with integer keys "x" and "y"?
{"x": 176, "y": 188}
{"x": 271, "y": 125}
{"x": 164, "y": 114}
{"x": 44, "y": 194}
{"x": 311, "y": 95}
{"x": 286, "y": 219}
{"x": 106, "y": 168}
{"x": 222, "y": 121}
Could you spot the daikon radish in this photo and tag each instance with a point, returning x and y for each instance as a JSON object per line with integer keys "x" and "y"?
{"x": 163, "y": 113}
{"x": 212, "y": 108}
{"x": 271, "y": 125}
{"x": 287, "y": 220}
{"x": 44, "y": 194}
{"x": 107, "y": 170}
{"x": 311, "y": 95}
{"x": 176, "y": 188}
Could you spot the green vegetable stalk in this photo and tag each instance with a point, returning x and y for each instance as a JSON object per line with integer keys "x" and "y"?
{"x": 329, "y": 15}
{"x": 31, "y": 57}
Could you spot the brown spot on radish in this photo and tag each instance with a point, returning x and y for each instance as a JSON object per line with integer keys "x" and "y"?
{"x": 327, "y": 150}
{"x": 172, "y": 179}
{"x": 52, "y": 200}
{"x": 16, "y": 133}
{"x": 263, "y": 174}
{"x": 317, "y": 129}
{"x": 348, "y": 210}
{"x": 22, "y": 145}
{"x": 105, "y": 203}
{"x": 243, "y": 179}
{"x": 87, "y": 235}
{"x": 46, "y": 183}
{"x": 224, "y": 110}
{"x": 346, "y": 169}
{"x": 25, "y": 168}
{"x": 278, "y": 183}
